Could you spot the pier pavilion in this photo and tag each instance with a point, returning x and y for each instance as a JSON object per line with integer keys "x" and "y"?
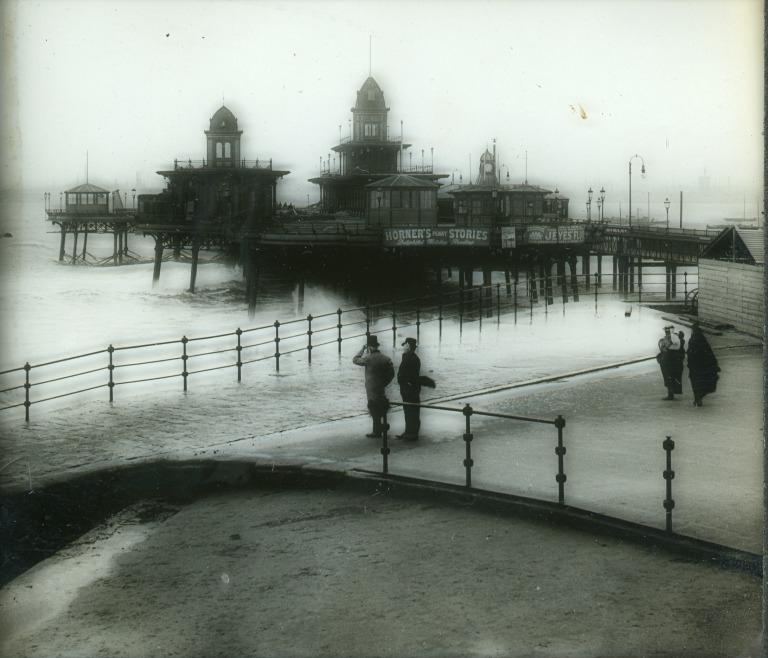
{"x": 366, "y": 155}
{"x": 488, "y": 201}
{"x": 86, "y": 209}
{"x": 217, "y": 202}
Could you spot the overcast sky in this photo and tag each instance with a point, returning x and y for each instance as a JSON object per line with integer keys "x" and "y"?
{"x": 581, "y": 86}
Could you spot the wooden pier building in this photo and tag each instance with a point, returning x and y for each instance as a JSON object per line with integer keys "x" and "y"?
{"x": 488, "y": 201}
{"x": 365, "y": 156}
{"x": 87, "y": 209}
{"x": 216, "y": 203}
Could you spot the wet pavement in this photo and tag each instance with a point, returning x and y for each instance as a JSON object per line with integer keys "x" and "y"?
{"x": 321, "y": 573}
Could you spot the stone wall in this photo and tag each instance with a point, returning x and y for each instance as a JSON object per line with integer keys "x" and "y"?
{"x": 732, "y": 293}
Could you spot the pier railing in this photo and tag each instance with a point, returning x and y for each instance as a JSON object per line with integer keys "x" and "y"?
{"x": 189, "y": 357}
{"x": 224, "y": 163}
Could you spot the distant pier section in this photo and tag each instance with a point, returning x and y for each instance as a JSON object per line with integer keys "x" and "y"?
{"x": 88, "y": 209}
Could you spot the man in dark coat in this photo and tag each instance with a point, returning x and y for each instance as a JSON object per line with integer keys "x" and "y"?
{"x": 410, "y": 387}
{"x": 379, "y": 371}
{"x": 702, "y": 365}
{"x": 671, "y": 363}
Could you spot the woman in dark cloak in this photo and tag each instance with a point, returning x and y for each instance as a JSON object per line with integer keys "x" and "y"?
{"x": 702, "y": 365}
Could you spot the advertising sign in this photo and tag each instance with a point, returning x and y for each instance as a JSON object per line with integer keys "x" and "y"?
{"x": 437, "y": 236}
{"x": 508, "y": 240}
{"x": 554, "y": 234}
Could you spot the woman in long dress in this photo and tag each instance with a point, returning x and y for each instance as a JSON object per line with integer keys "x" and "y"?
{"x": 703, "y": 368}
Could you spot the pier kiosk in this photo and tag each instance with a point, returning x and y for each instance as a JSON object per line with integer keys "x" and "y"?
{"x": 86, "y": 209}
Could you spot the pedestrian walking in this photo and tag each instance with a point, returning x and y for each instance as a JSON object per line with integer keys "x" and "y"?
{"x": 379, "y": 372}
{"x": 410, "y": 387}
{"x": 703, "y": 368}
{"x": 670, "y": 361}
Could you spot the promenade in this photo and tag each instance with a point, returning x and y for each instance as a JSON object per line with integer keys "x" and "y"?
{"x": 344, "y": 575}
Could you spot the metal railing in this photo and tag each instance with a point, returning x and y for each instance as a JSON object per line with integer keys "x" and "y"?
{"x": 467, "y": 411}
{"x": 223, "y": 163}
{"x": 559, "y": 423}
{"x": 119, "y": 366}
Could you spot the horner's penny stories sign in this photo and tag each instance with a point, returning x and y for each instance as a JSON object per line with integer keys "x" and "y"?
{"x": 435, "y": 236}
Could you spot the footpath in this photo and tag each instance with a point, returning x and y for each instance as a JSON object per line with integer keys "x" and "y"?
{"x": 312, "y": 573}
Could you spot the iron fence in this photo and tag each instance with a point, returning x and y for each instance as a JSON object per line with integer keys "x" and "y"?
{"x": 123, "y": 365}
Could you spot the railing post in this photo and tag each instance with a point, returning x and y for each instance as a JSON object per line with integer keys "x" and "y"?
{"x": 418, "y": 320}
{"x": 338, "y": 328}
{"x": 111, "y": 368}
{"x": 685, "y": 286}
{"x": 597, "y": 285}
{"x": 367, "y": 320}
{"x": 669, "y": 504}
{"x": 239, "y": 363}
{"x": 277, "y": 346}
{"x": 498, "y": 303}
{"x": 480, "y": 305}
{"x": 309, "y": 338}
{"x": 394, "y": 323}
{"x": 468, "y": 463}
{"x": 184, "y": 357}
{"x": 27, "y": 386}
{"x": 515, "y": 300}
{"x": 440, "y": 314}
{"x": 560, "y": 452}
{"x": 384, "y": 444}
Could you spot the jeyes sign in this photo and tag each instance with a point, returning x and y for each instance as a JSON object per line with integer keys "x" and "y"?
{"x": 436, "y": 236}
{"x": 554, "y": 234}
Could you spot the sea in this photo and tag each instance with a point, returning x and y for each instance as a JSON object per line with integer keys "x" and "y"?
{"x": 51, "y": 309}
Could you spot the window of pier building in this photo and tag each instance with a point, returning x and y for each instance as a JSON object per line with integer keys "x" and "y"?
{"x": 370, "y": 129}
{"x": 424, "y": 199}
{"x": 223, "y": 150}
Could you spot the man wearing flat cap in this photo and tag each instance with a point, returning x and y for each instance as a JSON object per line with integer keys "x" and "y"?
{"x": 379, "y": 371}
{"x": 410, "y": 387}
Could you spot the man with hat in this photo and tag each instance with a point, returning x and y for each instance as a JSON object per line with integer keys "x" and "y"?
{"x": 410, "y": 386}
{"x": 670, "y": 360}
{"x": 379, "y": 371}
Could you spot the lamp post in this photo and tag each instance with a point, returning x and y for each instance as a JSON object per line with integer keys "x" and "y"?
{"x": 133, "y": 189}
{"x": 589, "y": 204}
{"x": 642, "y": 171}
{"x": 601, "y": 205}
{"x": 666, "y": 207}
{"x": 61, "y": 200}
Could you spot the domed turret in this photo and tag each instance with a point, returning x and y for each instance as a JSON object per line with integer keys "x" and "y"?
{"x": 223, "y": 120}
{"x": 223, "y": 139}
{"x": 369, "y": 115}
{"x": 370, "y": 96}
